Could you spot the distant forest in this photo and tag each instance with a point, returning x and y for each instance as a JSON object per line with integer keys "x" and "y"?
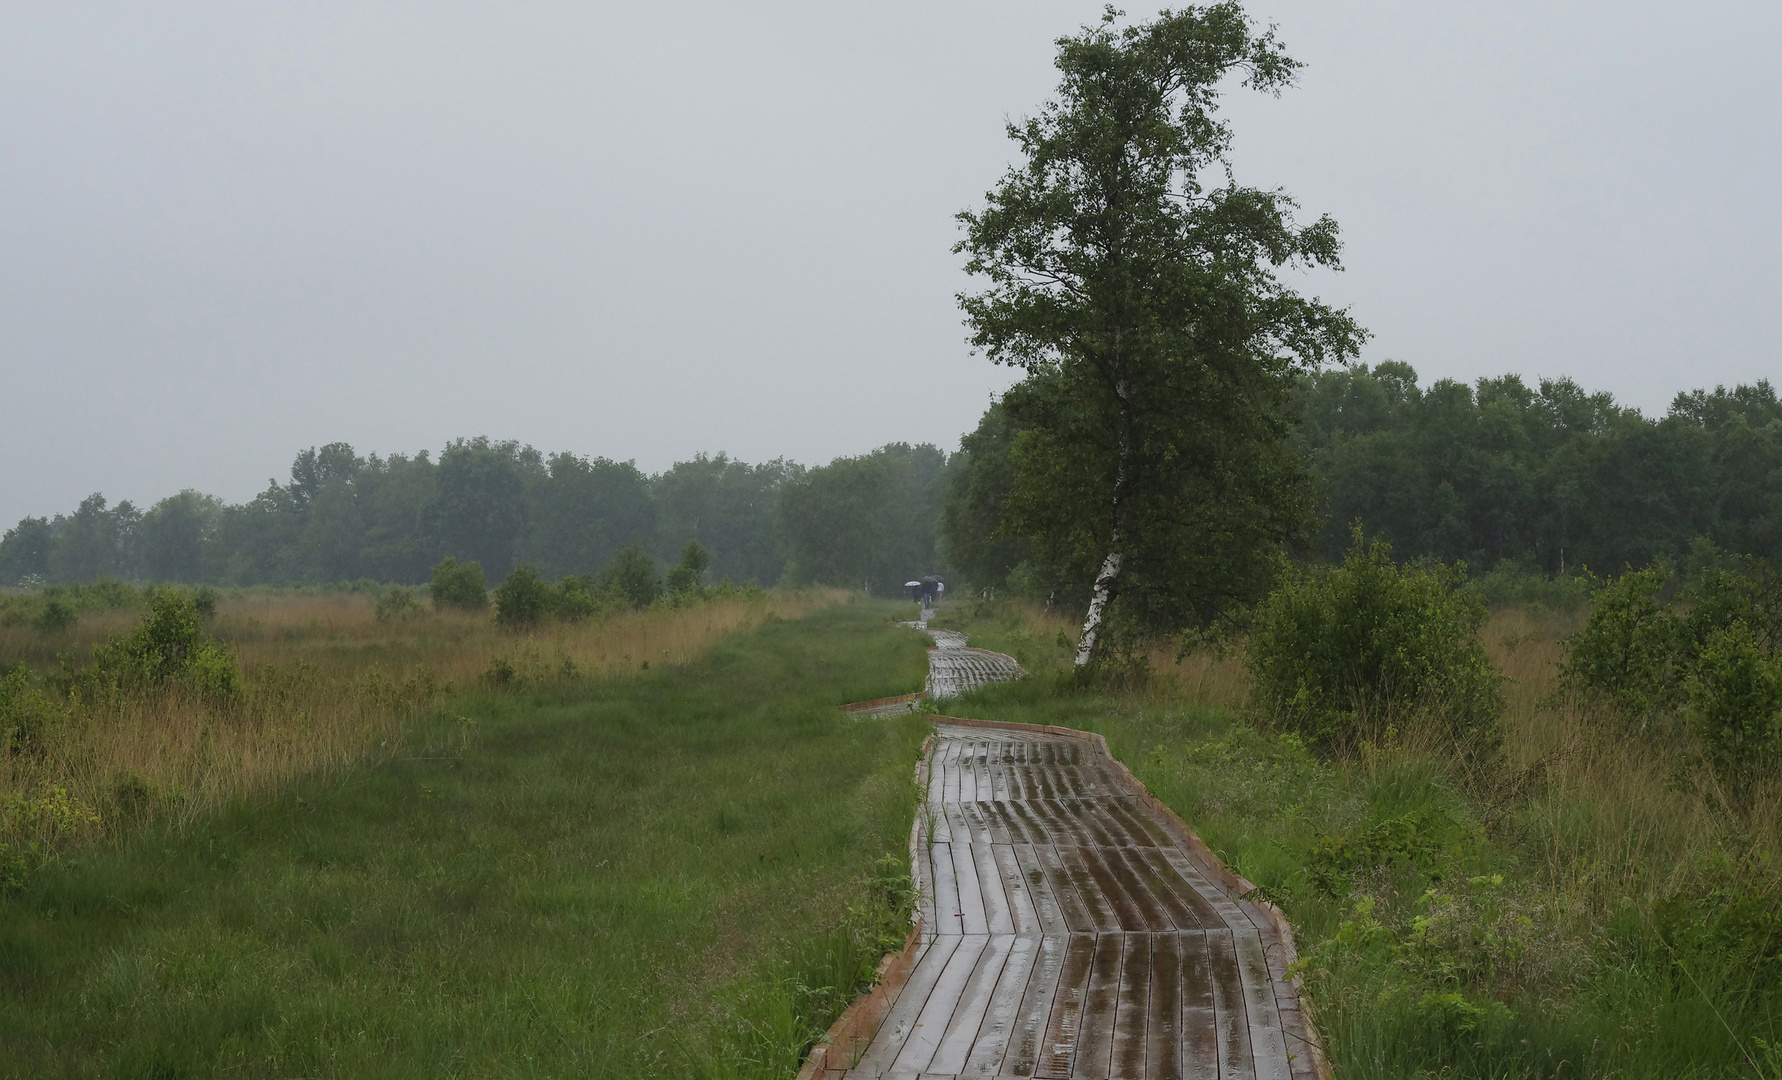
{"x": 1543, "y": 479}
{"x": 858, "y": 521}
{"x": 1548, "y": 478}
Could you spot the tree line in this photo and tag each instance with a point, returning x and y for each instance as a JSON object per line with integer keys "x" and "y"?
{"x": 1547, "y": 479}
{"x": 867, "y": 521}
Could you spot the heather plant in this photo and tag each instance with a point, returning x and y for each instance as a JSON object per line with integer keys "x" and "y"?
{"x": 1343, "y": 655}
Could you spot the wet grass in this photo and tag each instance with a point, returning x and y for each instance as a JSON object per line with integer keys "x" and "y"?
{"x": 666, "y": 875}
{"x": 1570, "y": 912}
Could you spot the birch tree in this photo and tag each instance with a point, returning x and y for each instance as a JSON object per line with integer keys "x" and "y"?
{"x": 1131, "y": 275}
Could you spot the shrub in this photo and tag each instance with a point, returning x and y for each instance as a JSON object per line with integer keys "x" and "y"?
{"x": 54, "y": 617}
{"x": 26, "y": 715}
{"x": 1646, "y": 655}
{"x": 632, "y": 574}
{"x": 1341, "y": 654}
{"x": 168, "y": 646}
{"x": 1627, "y": 649}
{"x": 1735, "y": 708}
{"x": 579, "y": 597}
{"x": 459, "y": 585}
{"x": 395, "y": 602}
{"x": 689, "y": 574}
{"x": 524, "y": 599}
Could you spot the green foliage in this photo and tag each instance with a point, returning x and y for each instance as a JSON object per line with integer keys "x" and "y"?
{"x": 523, "y": 599}
{"x": 1342, "y": 655}
{"x": 25, "y": 552}
{"x": 1549, "y": 476}
{"x": 54, "y": 616}
{"x": 458, "y": 585}
{"x": 396, "y": 602}
{"x": 632, "y": 575}
{"x": 1726, "y": 918}
{"x": 1160, "y": 340}
{"x": 1706, "y": 659}
{"x": 494, "y": 886}
{"x": 169, "y": 647}
{"x": 28, "y": 717}
{"x": 1628, "y": 649}
{"x": 1735, "y": 707}
{"x": 688, "y": 576}
{"x": 867, "y": 522}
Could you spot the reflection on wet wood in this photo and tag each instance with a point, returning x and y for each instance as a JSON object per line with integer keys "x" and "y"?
{"x": 1072, "y": 935}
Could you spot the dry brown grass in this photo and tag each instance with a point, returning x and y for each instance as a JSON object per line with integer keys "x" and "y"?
{"x": 326, "y": 683}
{"x": 1575, "y": 788}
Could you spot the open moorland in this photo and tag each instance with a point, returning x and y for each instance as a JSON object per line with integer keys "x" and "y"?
{"x": 664, "y": 857}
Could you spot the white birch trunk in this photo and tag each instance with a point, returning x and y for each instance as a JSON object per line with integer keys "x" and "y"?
{"x": 1104, "y": 586}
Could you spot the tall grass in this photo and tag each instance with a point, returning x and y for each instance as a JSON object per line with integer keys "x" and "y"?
{"x": 325, "y": 682}
{"x": 680, "y": 873}
{"x": 1583, "y": 905}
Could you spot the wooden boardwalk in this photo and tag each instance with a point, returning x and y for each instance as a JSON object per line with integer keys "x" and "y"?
{"x": 1070, "y": 928}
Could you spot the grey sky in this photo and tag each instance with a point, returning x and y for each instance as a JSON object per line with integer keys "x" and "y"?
{"x": 229, "y": 231}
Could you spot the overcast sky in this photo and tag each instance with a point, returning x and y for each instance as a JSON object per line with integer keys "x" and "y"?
{"x": 229, "y": 231}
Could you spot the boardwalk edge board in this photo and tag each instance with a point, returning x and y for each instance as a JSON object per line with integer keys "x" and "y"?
{"x": 848, "y": 1038}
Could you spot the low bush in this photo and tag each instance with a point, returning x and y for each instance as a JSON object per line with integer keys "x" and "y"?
{"x": 28, "y": 718}
{"x": 395, "y": 602}
{"x": 524, "y": 599}
{"x": 170, "y": 646}
{"x": 632, "y": 573}
{"x": 459, "y": 585}
{"x": 1699, "y": 659}
{"x": 1342, "y": 655}
{"x": 689, "y": 574}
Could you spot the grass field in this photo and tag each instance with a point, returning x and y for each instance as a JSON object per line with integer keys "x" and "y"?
{"x": 674, "y": 872}
{"x": 1573, "y": 911}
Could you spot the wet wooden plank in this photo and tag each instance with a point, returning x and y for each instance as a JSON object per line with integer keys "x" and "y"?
{"x": 1125, "y": 812}
{"x": 972, "y": 919}
{"x": 946, "y": 890}
{"x": 1039, "y": 831}
{"x": 1027, "y": 1042}
{"x": 1170, "y": 910}
{"x": 1186, "y": 905}
{"x": 1095, "y": 1044}
{"x": 992, "y": 891}
{"x": 1058, "y": 1053}
{"x": 1046, "y": 908}
{"x": 1200, "y": 1032}
{"x": 1226, "y": 911}
{"x": 1163, "y": 1022}
{"x": 1268, "y": 1043}
{"x": 1000, "y": 1019}
{"x": 901, "y": 1020}
{"x": 1127, "y": 913}
{"x": 1151, "y": 910}
{"x": 924, "y": 1036}
{"x": 1018, "y": 889}
{"x": 1132, "y": 1013}
{"x": 974, "y": 1002}
{"x": 1096, "y": 903}
{"x": 1078, "y": 916}
{"x": 1229, "y": 1018}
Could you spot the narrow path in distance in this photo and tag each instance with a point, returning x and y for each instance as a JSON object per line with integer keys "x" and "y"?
{"x": 1068, "y": 931}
